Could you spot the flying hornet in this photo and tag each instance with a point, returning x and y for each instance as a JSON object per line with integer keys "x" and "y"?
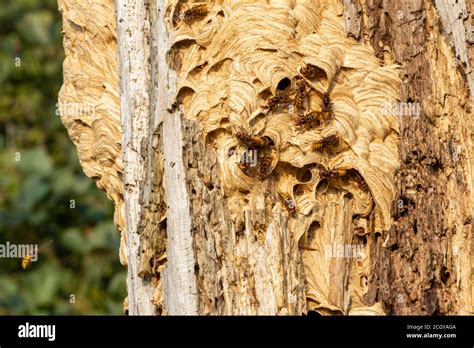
{"x": 27, "y": 260}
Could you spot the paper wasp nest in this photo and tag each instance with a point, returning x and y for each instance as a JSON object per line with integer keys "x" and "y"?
{"x": 89, "y": 99}
{"x": 297, "y": 113}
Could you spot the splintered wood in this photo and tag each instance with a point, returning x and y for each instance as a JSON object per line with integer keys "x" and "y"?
{"x": 424, "y": 265}
{"x": 274, "y": 134}
{"x": 284, "y": 81}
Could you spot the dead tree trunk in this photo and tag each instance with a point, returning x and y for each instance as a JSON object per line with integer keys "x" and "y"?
{"x": 241, "y": 188}
{"x": 425, "y": 264}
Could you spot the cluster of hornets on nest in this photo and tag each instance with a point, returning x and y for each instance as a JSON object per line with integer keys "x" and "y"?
{"x": 295, "y": 94}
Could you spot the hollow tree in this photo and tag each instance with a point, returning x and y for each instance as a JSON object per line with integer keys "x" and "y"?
{"x": 246, "y": 144}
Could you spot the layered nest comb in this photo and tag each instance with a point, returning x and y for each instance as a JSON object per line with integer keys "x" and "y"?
{"x": 298, "y": 115}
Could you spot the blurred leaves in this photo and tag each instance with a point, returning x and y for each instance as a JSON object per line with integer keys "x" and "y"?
{"x": 36, "y": 161}
{"x": 44, "y": 194}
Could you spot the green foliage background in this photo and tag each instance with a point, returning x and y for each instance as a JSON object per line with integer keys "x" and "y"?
{"x": 40, "y": 175}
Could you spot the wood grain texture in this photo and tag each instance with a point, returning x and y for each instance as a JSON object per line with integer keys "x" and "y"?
{"x": 424, "y": 266}
{"x": 353, "y": 18}
{"x": 133, "y": 29}
{"x": 225, "y": 77}
{"x": 456, "y": 26}
{"x": 205, "y": 236}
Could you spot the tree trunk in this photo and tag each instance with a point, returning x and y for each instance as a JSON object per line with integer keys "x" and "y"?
{"x": 424, "y": 267}
{"x": 228, "y": 204}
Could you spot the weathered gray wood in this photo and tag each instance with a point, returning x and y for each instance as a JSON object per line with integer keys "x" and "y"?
{"x": 134, "y": 51}
{"x": 455, "y": 20}
{"x": 352, "y": 18}
{"x": 147, "y": 89}
{"x": 180, "y": 294}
